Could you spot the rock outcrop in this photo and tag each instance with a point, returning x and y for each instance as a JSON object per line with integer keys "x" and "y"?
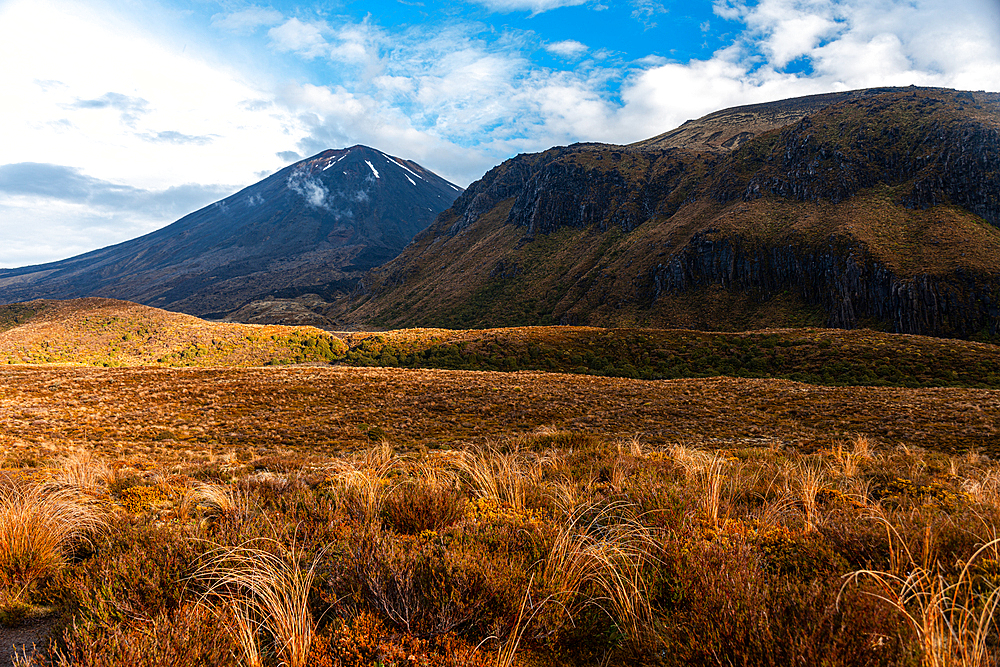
{"x": 850, "y": 287}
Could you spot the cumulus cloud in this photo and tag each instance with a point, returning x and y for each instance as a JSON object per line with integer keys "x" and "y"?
{"x": 305, "y": 39}
{"x": 247, "y": 21}
{"x": 569, "y": 48}
{"x": 922, "y": 41}
{"x": 533, "y": 6}
{"x": 459, "y": 99}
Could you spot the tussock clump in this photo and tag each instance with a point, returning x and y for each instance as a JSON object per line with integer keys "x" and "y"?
{"x": 262, "y": 588}
{"x": 507, "y": 478}
{"x": 363, "y": 484}
{"x": 954, "y": 620}
{"x": 710, "y": 470}
{"x": 219, "y": 501}
{"x": 599, "y": 556}
{"x": 431, "y": 499}
{"x": 985, "y": 488}
{"x": 39, "y": 527}
{"x": 84, "y": 471}
{"x": 809, "y": 482}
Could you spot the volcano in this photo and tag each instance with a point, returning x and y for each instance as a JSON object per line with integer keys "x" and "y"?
{"x": 312, "y": 228}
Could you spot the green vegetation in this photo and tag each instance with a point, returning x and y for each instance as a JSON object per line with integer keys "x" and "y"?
{"x": 104, "y": 332}
{"x": 16, "y": 314}
{"x": 818, "y": 356}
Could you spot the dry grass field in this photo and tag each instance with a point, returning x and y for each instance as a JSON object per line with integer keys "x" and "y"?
{"x": 178, "y": 492}
{"x": 173, "y": 415}
{"x": 370, "y": 516}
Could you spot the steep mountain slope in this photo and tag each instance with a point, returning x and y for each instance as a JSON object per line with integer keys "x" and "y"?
{"x": 314, "y": 226}
{"x": 880, "y": 210}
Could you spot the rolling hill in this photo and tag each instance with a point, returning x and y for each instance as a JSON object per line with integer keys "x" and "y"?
{"x": 111, "y": 333}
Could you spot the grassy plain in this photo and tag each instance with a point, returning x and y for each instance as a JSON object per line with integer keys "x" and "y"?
{"x": 175, "y": 508}
{"x": 374, "y": 516}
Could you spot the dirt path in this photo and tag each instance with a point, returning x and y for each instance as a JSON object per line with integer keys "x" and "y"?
{"x": 18, "y": 641}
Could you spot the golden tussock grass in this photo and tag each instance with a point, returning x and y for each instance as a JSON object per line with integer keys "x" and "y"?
{"x": 598, "y": 557}
{"x": 810, "y": 480}
{"x": 954, "y": 621}
{"x": 217, "y": 500}
{"x": 710, "y": 470}
{"x": 364, "y": 483}
{"x": 504, "y": 477}
{"x": 85, "y": 471}
{"x": 39, "y": 526}
{"x": 263, "y": 585}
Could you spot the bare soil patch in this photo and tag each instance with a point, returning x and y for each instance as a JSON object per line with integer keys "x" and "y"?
{"x": 23, "y": 640}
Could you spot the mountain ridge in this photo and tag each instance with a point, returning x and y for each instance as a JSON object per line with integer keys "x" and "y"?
{"x": 878, "y": 210}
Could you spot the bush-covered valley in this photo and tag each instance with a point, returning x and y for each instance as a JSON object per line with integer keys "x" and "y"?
{"x": 286, "y": 503}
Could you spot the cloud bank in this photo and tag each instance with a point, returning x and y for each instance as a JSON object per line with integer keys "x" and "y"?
{"x": 101, "y": 144}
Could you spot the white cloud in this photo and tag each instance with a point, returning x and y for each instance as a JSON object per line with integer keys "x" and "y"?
{"x": 247, "y": 21}
{"x": 123, "y": 107}
{"x": 79, "y": 213}
{"x": 456, "y": 96}
{"x": 644, "y": 11}
{"x": 846, "y": 44}
{"x": 308, "y": 188}
{"x": 569, "y": 48}
{"x": 305, "y": 39}
{"x": 533, "y": 6}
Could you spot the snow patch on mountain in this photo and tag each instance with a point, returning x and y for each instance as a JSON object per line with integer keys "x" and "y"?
{"x": 333, "y": 162}
{"x": 404, "y": 167}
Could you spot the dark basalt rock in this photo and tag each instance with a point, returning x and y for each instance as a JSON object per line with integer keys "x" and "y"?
{"x": 849, "y": 286}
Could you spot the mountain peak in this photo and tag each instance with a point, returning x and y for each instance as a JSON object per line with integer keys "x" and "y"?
{"x": 313, "y": 227}
{"x": 873, "y": 208}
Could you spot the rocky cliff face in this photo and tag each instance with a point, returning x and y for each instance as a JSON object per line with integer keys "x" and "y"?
{"x": 877, "y": 208}
{"x": 850, "y": 286}
{"x": 927, "y": 140}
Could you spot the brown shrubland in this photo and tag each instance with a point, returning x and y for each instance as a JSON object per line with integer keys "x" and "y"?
{"x": 253, "y": 520}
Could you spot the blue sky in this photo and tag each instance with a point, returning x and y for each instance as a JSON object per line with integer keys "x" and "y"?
{"x": 120, "y": 117}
